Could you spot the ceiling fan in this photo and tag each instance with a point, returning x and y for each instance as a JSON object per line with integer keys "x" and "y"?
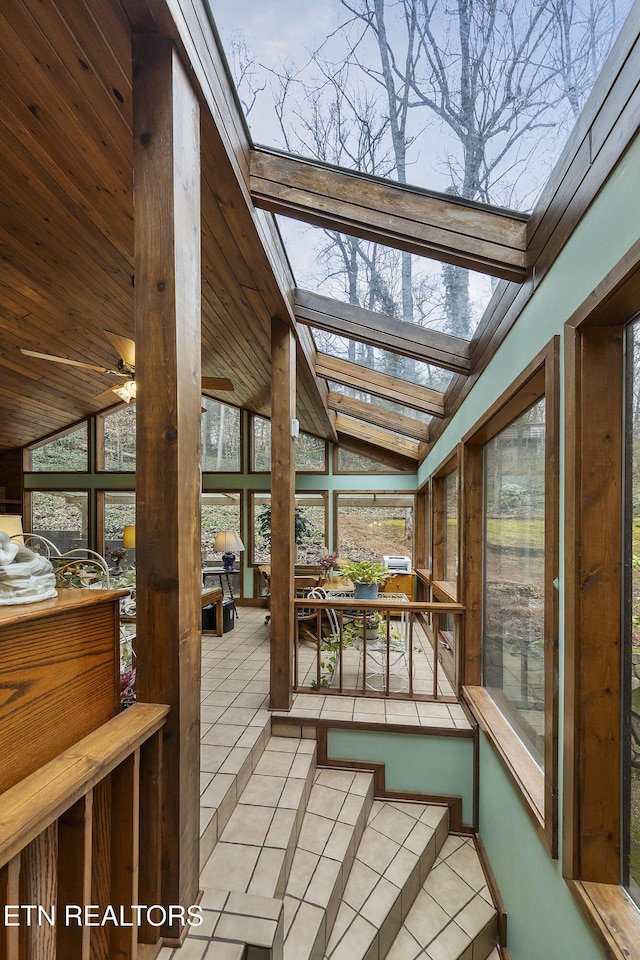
{"x": 126, "y": 368}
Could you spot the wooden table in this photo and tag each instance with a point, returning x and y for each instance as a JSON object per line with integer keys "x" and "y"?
{"x": 214, "y": 595}
{"x": 209, "y": 595}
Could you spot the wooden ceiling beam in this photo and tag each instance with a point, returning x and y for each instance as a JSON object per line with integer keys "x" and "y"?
{"x": 382, "y": 331}
{"x": 380, "y": 384}
{"x": 470, "y": 235}
{"x": 377, "y": 437}
{"x": 370, "y": 413}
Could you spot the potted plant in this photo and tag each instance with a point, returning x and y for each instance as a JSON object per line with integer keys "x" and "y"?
{"x": 367, "y": 575}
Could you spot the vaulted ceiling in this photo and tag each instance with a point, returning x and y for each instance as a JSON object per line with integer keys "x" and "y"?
{"x": 66, "y": 231}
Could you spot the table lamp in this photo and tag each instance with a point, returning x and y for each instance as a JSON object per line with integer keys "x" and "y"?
{"x": 11, "y": 524}
{"x": 129, "y": 536}
{"x": 228, "y": 543}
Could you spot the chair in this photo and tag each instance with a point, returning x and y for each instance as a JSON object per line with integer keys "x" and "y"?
{"x": 311, "y": 588}
{"x": 82, "y": 568}
{"x": 265, "y": 573}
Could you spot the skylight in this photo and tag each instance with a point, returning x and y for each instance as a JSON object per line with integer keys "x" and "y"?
{"x": 476, "y": 99}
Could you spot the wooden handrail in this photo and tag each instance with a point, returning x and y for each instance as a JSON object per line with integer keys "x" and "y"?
{"x": 350, "y": 603}
{"x": 34, "y": 803}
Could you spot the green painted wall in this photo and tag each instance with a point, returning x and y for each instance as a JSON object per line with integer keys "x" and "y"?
{"x": 543, "y": 920}
{"x": 414, "y": 763}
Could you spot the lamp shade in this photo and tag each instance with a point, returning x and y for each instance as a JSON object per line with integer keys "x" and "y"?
{"x": 228, "y": 541}
{"x": 129, "y": 537}
{"x": 11, "y": 524}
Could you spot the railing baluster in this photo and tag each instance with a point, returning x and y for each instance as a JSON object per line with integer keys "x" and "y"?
{"x": 125, "y": 799}
{"x": 39, "y": 888}
{"x": 75, "y": 829}
{"x": 436, "y": 641}
{"x": 410, "y": 627}
{"x": 9, "y": 894}
{"x": 149, "y": 883}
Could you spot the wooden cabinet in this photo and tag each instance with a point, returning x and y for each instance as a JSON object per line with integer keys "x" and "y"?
{"x": 401, "y": 583}
{"x": 60, "y": 676}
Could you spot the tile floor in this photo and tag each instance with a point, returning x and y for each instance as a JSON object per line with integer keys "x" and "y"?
{"x": 235, "y": 732}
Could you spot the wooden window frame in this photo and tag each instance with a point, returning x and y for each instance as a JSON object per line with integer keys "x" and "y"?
{"x": 299, "y": 473}
{"x": 27, "y": 465}
{"x": 240, "y": 470}
{"x": 99, "y": 440}
{"x": 592, "y": 861}
{"x": 384, "y": 493}
{"x": 447, "y": 590}
{"x": 537, "y": 788}
{"x": 324, "y": 494}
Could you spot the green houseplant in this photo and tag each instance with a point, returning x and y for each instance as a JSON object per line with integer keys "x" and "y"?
{"x": 367, "y": 575}
{"x": 304, "y": 529}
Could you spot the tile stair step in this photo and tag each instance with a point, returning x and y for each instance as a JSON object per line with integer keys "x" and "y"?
{"x": 339, "y": 803}
{"x": 255, "y": 848}
{"x": 397, "y": 850}
{"x": 453, "y": 917}
{"x": 234, "y": 765}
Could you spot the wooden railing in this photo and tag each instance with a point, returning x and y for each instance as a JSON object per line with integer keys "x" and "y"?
{"x": 80, "y": 844}
{"x": 369, "y": 646}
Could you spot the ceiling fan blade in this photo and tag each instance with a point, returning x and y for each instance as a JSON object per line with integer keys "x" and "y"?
{"x": 72, "y": 363}
{"x": 126, "y": 348}
{"x": 216, "y": 383}
{"x": 107, "y": 398}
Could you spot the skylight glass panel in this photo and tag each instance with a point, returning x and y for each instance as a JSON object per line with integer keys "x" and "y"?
{"x": 485, "y": 94}
{"x": 392, "y": 364}
{"x": 378, "y": 278}
{"x": 384, "y": 404}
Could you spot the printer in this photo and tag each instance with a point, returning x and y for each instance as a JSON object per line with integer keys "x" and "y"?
{"x": 397, "y": 564}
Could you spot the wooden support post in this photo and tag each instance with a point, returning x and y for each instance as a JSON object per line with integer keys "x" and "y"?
{"x": 74, "y": 877}
{"x": 168, "y": 368}
{"x": 283, "y": 500}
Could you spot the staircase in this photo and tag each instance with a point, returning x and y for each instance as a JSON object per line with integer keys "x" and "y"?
{"x": 302, "y": 863}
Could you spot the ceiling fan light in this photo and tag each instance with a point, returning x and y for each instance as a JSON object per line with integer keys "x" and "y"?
{"x": 127, "y": 391}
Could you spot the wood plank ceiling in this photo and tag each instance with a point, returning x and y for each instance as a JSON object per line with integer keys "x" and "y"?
{"x": 66, "y": 230}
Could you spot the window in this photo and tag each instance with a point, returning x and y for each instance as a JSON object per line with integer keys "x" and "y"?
{"x": 311, "y": 452}
{"x": 117, "y": 439}
{"x": 219, "y": 511}
{"x": 513, "y": 580}
{"x": 508, "y": 582}
{"x": 60, "y": 517}
{"x": 311, "y": 527}
{"x": 221, "y": 438}
{"x": 65, "y": 453}
{"x": 119, "y": 511}
{"x": 350, "y": 461}
{"x": 445, "y": 527}
{"x": 373, "y": 525}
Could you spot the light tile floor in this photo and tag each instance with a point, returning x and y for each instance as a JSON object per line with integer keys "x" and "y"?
{"x": 235, "y": 726}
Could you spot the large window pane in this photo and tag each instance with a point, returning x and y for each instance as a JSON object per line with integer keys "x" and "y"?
{"x": 310, "y": 527}
{"x": 63, "y": 454}
{"x": 310, "y": 451}
{"x": 119, "y": 446}
{"x": 119, "y": 512}
{"x": 514, "y": 515}
{"x": 373, "y": 525}
{"x": 451, "y": 527}
{"x": 221, "y": 447}
{"x": 219, "y": 511}
{"x": 61, "y": 517}
{"x": 631, "y": 718}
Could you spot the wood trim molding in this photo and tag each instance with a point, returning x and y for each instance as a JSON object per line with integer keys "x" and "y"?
{"x": 540, "y": 378}
{"x": 471, "y": 235}
{"x": 379, "y": 330}
{"x": 380, "y": 384}
{"x": 377, "y": 415}
{"x": 593, "y": 617}
{"x": 613, "y": 917}
{"x": 522, "y": 770}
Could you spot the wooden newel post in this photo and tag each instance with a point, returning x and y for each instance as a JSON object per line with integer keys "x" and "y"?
{"x": 168, "y": 371}
{"x": 283, "y": 497}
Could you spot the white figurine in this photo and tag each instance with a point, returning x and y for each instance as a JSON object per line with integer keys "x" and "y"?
{"x": 25, "y": 577}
